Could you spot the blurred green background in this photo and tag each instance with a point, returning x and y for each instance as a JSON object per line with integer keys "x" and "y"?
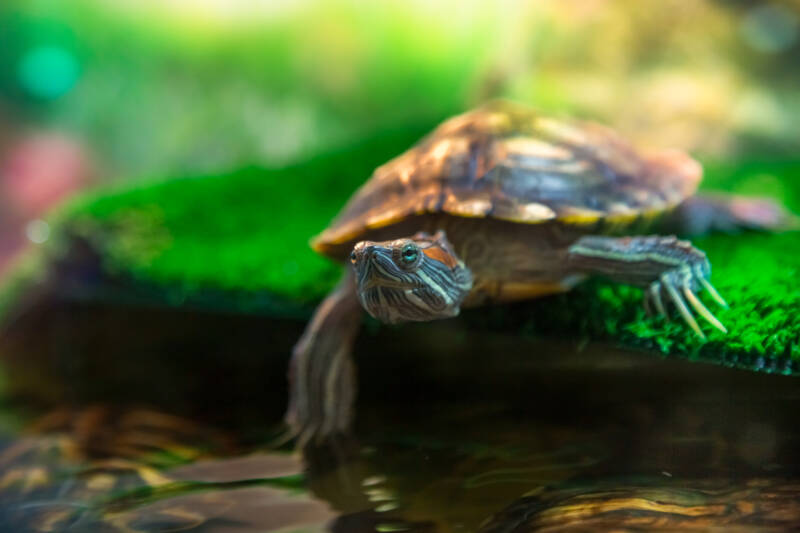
{"x": 275, "y": 111}
{"x": 183, "y": 86}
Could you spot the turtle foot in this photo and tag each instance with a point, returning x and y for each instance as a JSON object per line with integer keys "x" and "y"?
{"x": 322, "y": 394}
{"x": 670, "y": 270}
{"x": 680, "y": 286}
{"x": 322, "y": 377}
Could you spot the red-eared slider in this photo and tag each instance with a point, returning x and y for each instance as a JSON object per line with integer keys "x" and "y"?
{"x": 502, "y": 204}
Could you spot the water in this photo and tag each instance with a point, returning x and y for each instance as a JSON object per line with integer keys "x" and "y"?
{"x": 170, "y": 426}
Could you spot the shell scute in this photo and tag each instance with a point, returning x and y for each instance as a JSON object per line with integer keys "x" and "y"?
{"x": 507, "y": 161}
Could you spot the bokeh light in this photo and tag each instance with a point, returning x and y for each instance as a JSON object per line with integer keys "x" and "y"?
{"x": 48, "y": 71}
{"x": 37, "y": 231}
{"x": 770, "y": 28}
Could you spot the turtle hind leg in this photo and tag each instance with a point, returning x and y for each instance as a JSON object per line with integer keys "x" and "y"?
{"x": 670, "y": 271}
{"x": 701, "y": 214}
{"x": 322, "y": 381}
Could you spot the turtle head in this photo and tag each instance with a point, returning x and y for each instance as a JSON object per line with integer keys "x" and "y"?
{"x": 416, "y": 279}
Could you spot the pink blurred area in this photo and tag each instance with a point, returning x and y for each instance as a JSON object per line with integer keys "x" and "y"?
{"x": 37, "y": 171}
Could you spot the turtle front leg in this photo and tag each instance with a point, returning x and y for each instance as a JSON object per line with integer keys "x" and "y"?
{"x": 666, "y": 268}
{"x": 322, "y": 382}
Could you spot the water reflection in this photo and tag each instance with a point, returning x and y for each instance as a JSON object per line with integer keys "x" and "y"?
{"x": 476, "y": 433}
{"x": 656, "y": 505}
{"x": 242, "y": 510}
{"x": 110, "y": 470}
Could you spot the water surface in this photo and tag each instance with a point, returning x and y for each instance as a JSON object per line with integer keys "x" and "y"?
{"x": 166, "y": 430}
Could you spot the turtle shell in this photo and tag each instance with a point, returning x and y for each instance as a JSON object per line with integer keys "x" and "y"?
{"x": 509, "y": 162}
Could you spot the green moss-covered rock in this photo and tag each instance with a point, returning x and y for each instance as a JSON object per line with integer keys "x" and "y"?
{"x": 245, "y": 232}
{"x": 239, "y": 241}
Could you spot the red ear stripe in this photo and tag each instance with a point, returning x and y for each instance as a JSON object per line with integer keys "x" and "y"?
{"x": 437, "y": 253}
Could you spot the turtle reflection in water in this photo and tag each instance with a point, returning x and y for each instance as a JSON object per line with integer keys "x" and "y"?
{"x": 752, "y": 505}
{"x": 137, "y": 471}
{"x": 502, "y": 204}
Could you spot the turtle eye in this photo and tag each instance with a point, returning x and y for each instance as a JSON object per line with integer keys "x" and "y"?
{"x": 353, "y": 257}
{"x": 409, "y": 254}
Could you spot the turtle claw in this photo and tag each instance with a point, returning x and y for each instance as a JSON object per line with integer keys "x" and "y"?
{"x": 702, "y": 309}
{"x": 683, "y": 310}
{"x": 713, "y": 292}
{"x": 679, "y": 286}
{"x": 655, "y": 296}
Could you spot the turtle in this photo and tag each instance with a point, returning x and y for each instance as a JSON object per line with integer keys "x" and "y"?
{"x": 499, "y": 204}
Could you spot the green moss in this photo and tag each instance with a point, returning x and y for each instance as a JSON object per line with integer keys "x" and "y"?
{"x": 246, "y": 232}
{"x": 757, "y": 274}
{"x": 243, "y": 231}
